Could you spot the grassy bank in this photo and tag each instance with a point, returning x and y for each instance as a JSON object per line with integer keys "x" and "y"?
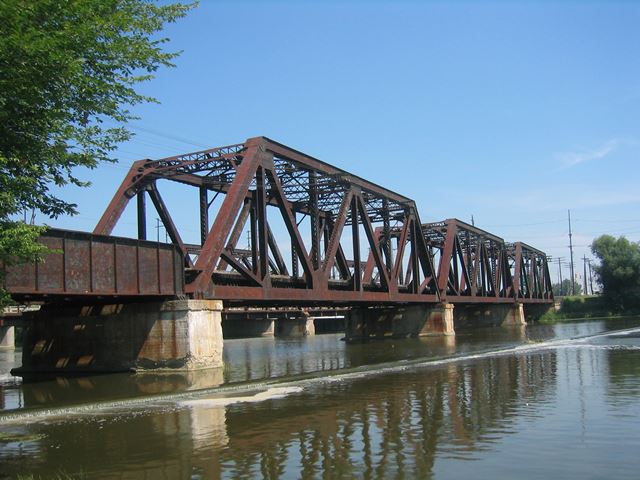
{"x": 576, "y": 307}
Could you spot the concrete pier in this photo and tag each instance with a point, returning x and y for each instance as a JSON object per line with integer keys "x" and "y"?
{"x": 299, "y": 325}
{"x": 409, "y": 321}
{"x": 514, "y": 316}
{"x": 7, "y": 337}
{"x": 233, "y": 326}
{"x": 267, "y": 324}
{"x": 489, "y": 315}
{"x": 177, "y": 334}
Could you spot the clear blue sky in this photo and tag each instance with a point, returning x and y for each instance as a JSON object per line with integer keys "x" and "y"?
{"x": 512, "y": 113}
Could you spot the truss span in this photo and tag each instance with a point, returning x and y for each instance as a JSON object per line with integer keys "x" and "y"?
{"x": 317, "y": 235}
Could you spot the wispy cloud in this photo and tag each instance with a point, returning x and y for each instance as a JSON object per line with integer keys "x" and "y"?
{"x": 571, "y": 159}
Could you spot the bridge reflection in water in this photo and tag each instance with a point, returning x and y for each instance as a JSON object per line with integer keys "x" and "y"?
{"x": 378, "y": 426}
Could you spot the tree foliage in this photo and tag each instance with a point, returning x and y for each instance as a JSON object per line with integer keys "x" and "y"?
{"x": 68, "y": 76}
{"x": 565, "y": 288}
{"x": 619, "y": 270}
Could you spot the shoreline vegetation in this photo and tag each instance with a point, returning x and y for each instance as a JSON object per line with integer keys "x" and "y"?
{"x": 582, "y": 306}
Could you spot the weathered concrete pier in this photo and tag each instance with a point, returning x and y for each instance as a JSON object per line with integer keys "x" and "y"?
{"x": 175, "y": 334}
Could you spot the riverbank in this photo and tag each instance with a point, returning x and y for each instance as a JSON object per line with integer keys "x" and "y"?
{"x": 580, "y": 307}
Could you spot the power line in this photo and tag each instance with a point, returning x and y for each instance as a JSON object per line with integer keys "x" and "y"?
{"x": 167, "y": 135}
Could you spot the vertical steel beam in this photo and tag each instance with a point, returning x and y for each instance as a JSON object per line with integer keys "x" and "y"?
{"x": 294, "y": 253}
{"x": 414, "y": 261}
{"x": 253, "y": 233}
{"x": 446, "y": 257}
{"x": 315, "y": 220}
{"x": 204, "y": 213}
{"x": 547, "y": 276}
{"x": 261, "y": 211}
{"x": 142, "y": 215}
{"x": 355, "y": 234}
{"x": 517, "y": 271}
{"x": 386, "y": 235}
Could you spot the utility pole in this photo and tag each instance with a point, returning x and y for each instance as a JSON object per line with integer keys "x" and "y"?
{"x": 473, "y": 223}
{"x": 573, "y": 278}
{"x": 157, "y": 230}
{"x": 590, "y": 278}
{"x": 584, "y": 260}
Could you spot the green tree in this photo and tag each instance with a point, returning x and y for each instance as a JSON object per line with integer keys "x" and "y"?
{"x": 618, "y": 271}
{"x": 565, "y": 288}
{"x": 68, "y": 72}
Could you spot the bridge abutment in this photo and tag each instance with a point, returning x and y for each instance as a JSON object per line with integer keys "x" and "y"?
{"x": 409, "y": 321}
{"x": 175, "y": 334}
{"x": 7, "y": 337}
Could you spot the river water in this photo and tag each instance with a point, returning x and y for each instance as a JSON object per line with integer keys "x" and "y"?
{"x": 539, "y": 402}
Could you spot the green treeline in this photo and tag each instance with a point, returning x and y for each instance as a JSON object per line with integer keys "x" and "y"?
{"x": 617, "y": 273}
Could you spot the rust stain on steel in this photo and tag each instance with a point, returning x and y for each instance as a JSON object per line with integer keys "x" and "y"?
{"x": 88, "y": 265}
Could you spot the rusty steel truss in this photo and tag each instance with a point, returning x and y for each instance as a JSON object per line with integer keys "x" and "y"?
{"x": 476, "y": 266}
{"x": 316, "y": 234}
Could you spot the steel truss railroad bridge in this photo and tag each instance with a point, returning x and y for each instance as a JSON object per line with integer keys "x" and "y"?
{"x": 317, "y": 236}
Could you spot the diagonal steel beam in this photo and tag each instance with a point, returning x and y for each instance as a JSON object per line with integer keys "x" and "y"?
{"x": 221, "y": 228}
{"x": 336, "y": 234}
{"x": 127, "y": 190}
{"x": 287, "y": 215}
{"x": 373, "y": 243}
{"x": 240, "y": 268}
{"x": 167, "y": 221}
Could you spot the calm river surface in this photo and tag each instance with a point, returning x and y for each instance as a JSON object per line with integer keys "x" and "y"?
{"x": 539, "y": 402}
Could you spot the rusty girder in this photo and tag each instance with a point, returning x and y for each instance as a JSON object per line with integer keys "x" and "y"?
{"x": 472, "y": 264}
{"x": 261, "y": 181}
{"x": 530, "y": 272}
